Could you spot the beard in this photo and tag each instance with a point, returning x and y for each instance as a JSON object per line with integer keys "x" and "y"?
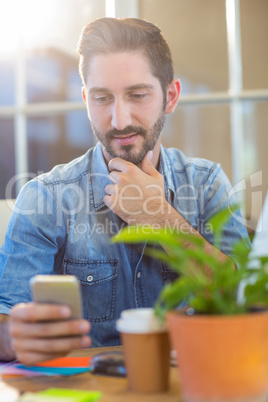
{"x": 127, "y": 152}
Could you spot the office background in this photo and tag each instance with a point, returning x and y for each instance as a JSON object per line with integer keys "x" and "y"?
{"x": 220, "y": 54}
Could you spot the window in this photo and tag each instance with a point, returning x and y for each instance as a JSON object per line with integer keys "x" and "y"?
{"x": 220, "y": 54}
{"x": 7, "y": 156}
{"x": 43, "y": 121}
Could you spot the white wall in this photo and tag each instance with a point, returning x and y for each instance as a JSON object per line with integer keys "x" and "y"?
{"x": 5, "y": 212}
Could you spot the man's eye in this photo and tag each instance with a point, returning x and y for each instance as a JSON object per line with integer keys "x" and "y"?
{"x": 101, "y": 99}
{"x": 138, "y": 96}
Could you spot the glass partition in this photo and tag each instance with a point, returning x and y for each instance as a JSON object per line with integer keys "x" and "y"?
{"x": 7, "y": 157}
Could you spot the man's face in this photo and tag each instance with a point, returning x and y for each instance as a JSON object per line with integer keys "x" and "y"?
{"x": 125, "y": 105}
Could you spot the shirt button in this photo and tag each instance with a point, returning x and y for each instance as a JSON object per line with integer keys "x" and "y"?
{"x": 89, "y": 278}
{"x": 138, "y": 275}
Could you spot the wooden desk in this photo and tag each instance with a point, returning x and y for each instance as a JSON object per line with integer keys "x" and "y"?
{"x": 114, "y": 389}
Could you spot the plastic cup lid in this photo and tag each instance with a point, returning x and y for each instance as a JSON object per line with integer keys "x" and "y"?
{"x": 139, "y": 321}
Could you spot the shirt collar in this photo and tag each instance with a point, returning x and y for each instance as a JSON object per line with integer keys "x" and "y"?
{"x": 166, "y": 171}
{"x": 98, "y": 178}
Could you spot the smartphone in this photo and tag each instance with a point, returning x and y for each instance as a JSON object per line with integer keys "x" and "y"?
{"x": 58, "y": 289}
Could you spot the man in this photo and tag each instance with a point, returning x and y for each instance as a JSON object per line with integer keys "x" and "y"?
{"x": 64, "y": 220}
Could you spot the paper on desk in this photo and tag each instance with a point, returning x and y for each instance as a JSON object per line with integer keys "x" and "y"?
{"x": 62, "y": 395}
{"x": 67, "y": 362}
{"x": 12, "y": 371}
{"x": 59, "y": 366}
{"x": 56, "y": 370}
{"x": 9, "y": 370}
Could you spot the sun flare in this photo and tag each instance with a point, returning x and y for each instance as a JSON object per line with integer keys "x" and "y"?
{"x": 25, "y": 23}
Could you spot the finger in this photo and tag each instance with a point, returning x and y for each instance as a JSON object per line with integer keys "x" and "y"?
{"x": 114, "y": 176}
{"x": 49, "y": 330}
{"x": 109, "y": 201}
{"x": 147, "y": 164}
{"x": 30, "y": 358}
{"x": 119, "y": 164}
{"x": 110, "y": 189}
{"x": 33, "y": 312}
{"x": 53, "y": 345}
{"x": 34, "y": 350}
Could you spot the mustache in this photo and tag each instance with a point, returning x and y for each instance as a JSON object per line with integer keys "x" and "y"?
{"x": 127, "y": 130}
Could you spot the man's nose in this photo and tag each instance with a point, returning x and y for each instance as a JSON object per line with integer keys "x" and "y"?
{"x": 121, "y": 116}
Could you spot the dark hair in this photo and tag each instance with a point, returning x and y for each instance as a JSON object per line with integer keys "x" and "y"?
{"x": 106, "y": 35}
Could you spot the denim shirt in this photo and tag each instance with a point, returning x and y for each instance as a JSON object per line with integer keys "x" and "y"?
{"x": 60, "y": 225}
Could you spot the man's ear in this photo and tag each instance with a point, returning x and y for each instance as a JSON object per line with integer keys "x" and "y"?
{"x": 84, "y": 96}
{"x": 173, "y": 94}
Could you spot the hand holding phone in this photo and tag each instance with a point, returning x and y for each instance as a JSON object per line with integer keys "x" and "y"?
{"x": 43, "y": 330}
{"x": 58, "y": 289}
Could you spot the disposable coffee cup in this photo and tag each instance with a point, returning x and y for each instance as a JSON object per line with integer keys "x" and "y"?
{"x": 146, "y": 350}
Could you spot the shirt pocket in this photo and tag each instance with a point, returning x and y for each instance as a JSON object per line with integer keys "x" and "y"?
{"x": 98, "y": 286}
{"x": 168, "y": 274}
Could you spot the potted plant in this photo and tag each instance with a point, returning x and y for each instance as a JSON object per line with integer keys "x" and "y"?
{"x": 221, "y": 336}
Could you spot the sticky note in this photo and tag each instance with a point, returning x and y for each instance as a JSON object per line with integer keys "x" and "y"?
{"x": 56, "y": 370}
{"x": 62, "y": 395}
{"x": 66, "y": 362}
{"x": 35, "y": 397}
{"x": 59, "y": 366}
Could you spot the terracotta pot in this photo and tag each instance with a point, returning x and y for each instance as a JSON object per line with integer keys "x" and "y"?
{"x": 221, "y": 357}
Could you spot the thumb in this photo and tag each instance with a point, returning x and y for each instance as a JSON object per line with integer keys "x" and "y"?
{"x": 147, "y": 164}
